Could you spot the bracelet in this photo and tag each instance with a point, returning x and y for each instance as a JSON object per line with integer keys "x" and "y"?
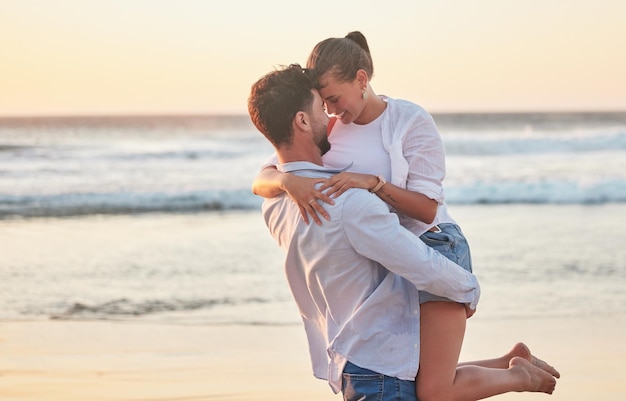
{"x": 381, "y": 182}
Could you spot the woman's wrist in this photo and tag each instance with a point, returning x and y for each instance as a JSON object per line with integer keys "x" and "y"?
{"x": 380, "y": 181}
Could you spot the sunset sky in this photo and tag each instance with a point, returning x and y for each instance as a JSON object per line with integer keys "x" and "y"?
{"x": 66, "y": 57}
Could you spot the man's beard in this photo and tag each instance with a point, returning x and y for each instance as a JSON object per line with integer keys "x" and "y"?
{"x": 322, "y": 143}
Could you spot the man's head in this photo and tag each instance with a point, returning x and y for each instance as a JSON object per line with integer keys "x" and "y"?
{"x": 286, "y": 107}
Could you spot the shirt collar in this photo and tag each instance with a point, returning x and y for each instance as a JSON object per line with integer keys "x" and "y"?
{"x": 293, "y": 167}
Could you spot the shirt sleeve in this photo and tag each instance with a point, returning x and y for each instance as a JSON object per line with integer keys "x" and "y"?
{"x": 424, "y": 152}
{"x": 376, "y": 233}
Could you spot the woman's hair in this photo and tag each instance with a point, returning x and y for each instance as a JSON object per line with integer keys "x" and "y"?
{"x": 342, "y": 57}
{"x": 277, "y": 97}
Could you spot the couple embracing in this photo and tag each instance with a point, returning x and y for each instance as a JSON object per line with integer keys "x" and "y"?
{"x": 379, "y": 269}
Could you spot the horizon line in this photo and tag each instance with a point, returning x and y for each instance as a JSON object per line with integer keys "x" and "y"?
{"x": 155, "y": 114}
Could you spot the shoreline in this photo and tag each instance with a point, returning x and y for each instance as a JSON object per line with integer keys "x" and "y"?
{"x": 60, "y": 360}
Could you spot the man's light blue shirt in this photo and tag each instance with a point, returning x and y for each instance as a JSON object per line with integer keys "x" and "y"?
{"x": 355, "y": 280}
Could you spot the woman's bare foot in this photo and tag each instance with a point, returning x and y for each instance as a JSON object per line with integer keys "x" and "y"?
{"x": 535, "y": 379}
{"x": 522, "y": 350}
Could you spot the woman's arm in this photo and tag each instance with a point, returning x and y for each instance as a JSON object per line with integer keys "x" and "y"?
{"x": 270, "y": 182}
{"x": 412, "y": 204}
{"x": 423, "y": 149}
{"x": 409, "y": 203}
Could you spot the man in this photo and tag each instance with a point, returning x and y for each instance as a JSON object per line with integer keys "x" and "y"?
{"x": 355, "y": 278}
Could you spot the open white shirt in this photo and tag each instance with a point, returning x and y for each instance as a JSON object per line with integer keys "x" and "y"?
{"x": 355, "y": 280}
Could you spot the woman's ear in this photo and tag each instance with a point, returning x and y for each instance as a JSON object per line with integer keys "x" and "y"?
{"x": 362, "y": 77}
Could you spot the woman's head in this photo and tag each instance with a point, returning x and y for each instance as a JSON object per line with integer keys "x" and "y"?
{"x": 343, "y": 68}
{"x": 342, "y": 57}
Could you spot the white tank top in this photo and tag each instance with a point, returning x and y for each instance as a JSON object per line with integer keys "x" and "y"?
{"x": 360, "y": 144}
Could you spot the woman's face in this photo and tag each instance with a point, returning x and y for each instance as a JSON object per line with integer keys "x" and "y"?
{"x": 343, "y": 99}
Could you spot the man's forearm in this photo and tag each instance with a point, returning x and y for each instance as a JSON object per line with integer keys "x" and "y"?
{"x": 379, "y": 236}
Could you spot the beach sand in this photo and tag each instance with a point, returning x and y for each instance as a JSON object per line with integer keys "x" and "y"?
{"x": 108, "y": 360}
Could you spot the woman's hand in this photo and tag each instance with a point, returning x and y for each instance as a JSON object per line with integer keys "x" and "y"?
{"x": 343, "y": 181}
{"x": 303, "y": 192}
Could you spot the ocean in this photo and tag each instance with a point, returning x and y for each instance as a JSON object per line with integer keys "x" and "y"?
{"x": 151, "y": 218}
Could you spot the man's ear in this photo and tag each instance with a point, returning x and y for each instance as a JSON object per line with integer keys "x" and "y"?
{"x": 301, "y": 121}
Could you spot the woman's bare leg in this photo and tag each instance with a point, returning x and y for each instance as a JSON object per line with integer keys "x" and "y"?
{"x": 442, "y": 331}
{"x": 521, "y": 350}
{"x": 442, "y": 328}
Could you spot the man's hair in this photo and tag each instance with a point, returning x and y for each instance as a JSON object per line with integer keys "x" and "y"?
{"x": 276, "y": 98}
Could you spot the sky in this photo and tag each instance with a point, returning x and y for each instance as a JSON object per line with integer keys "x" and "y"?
{"x": 88, "y": 57}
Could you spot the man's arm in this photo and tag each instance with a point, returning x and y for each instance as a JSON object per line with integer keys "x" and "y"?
{"x": 377, "y": 234}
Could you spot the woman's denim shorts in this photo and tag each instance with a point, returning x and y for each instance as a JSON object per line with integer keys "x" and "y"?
{"x": 451, "y": 243}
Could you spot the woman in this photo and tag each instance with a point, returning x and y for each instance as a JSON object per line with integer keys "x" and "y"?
{"x": 396, "y": 152}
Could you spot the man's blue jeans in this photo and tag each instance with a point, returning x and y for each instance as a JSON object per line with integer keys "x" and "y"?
{"x": 365, "y": 385}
